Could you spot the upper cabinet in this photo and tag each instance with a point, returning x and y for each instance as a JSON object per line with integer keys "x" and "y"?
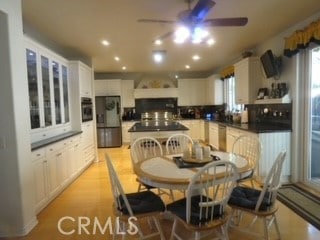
{"x": 192, "y": 92}
{"x": 110, "y": 87}
{"x": 47, "y": 76}
{"x": 127, "y": 89}
{"x": 247, "y": 80}
{"x": 214, "y": 90}
{"x": 85, "y": 78}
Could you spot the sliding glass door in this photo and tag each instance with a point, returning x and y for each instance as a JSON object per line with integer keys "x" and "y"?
{"x": 312, "y": 134}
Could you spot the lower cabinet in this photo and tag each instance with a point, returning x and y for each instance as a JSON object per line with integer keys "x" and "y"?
{"x": 196, "y": 128}
{"x": 87, "y": 143}
{"x": 55, "y": 167}
{"x": 272, "y": 144}
{"x": 125, "y": 134}
{"x": 214, "y": 135}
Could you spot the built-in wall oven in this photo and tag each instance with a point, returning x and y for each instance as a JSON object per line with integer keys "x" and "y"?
{"x": 86, "y": 109}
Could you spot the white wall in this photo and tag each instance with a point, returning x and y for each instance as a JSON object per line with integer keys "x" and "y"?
{"x": 16, "y": 180}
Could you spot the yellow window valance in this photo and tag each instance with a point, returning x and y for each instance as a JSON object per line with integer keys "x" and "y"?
{"x": 227, "y": 72}
{"x": 301, "y": 39}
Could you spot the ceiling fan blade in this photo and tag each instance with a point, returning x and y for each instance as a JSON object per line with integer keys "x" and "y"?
{"x": 201, "y": 10}
{"x": 168, "y": 34}
{"x": 226, "y": 22}
{"x": 155, "y": 21}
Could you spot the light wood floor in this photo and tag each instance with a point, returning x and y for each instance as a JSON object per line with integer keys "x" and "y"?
{"x": 90, "y": 197}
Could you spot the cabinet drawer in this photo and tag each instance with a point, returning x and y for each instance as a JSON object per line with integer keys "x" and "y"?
{"x": 37, "y": 154}
{"x": 55, "y": 147}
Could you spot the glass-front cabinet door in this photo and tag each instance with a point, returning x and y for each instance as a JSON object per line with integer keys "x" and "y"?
{"x": 48, "y": 88}
{"x": 56, "y": 87}
{"x": 46, "y": 91}
{"x": 31, "y": 57}
{"x": 65, "y": 93}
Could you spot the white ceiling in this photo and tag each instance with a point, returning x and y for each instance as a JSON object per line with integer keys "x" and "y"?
{"x": 81, "y": 24}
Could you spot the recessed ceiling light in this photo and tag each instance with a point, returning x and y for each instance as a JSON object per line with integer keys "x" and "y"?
{"x": 195, "y": 57}
{"x": 211, "y": 41}
{"x": 117, "y": 58}
{"x": 187, "y": 66}
{"x": 105, "y": 43}
{"x": 124, "y": 68}
{"x": 158, "y": 55}
{"x": 158, "y": 42}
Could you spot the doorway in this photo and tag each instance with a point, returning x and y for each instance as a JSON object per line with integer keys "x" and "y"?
{"x": 312, "y": 138}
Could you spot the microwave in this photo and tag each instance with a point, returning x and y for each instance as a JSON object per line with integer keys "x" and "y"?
{"x": 86, "y": 109}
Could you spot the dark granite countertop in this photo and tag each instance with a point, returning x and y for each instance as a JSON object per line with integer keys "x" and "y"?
{"x": 157, "y": 126}
{"x": 48, "y": 141}
{"x": 256, "y": 127}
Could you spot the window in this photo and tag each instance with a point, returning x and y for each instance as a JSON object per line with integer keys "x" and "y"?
{"x": 229, "y": 95}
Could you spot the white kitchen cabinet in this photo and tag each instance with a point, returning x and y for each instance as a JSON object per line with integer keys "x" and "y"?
{"x": 39, "y": 163}
{"x": 201, "y": 130}
{"x": 194, "y": 127}
{"x": 85, "y": 77}
{"x": 110, "y": 87}
{"x": 125, "y": 134}
{"x": 247, "y": 80}
{"x": 74, "y": 156}
{"x": 127, "y": 93}
{"x": 48, "y": 88}
{"x": 214, "y": 135}
{"x": 81, "y": 75}
{"x": 54, "y": 167}
{"x": 214, "y": 90}
{"x": 192, "y": 92}
{"x": 88, "y": 143}
{"x": 272, "y": 143}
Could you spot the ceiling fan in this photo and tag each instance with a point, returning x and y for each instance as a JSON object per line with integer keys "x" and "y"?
{"x": 196, "y": 17}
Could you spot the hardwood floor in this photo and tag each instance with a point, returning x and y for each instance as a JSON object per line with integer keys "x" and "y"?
{"x": 89, "y": 198}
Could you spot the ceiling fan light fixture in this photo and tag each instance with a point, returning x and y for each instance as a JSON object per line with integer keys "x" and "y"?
{"x": 181, "y": 34}
{"x": 199, "y": 35}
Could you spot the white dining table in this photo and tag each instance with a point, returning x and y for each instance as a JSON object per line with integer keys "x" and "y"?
{"x": 162, "y": 171}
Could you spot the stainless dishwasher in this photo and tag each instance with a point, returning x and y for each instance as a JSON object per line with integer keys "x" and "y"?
{"x": 222, "y": 137}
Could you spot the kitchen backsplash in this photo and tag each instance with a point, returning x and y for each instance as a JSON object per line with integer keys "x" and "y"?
{"x": 280, "y": 114}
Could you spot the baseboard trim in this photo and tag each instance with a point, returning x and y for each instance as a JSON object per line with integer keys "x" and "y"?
{"x": 9, "y": 232}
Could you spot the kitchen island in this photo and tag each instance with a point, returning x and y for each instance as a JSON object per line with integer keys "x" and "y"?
{"x": 156, "y": 129}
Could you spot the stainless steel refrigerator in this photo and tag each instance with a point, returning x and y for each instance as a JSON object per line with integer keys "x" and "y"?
{"x": 108, "y": 121}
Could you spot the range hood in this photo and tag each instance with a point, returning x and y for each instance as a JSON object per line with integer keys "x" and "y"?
{"x": 155, "y": 93}
{"x": 156, "y": 86}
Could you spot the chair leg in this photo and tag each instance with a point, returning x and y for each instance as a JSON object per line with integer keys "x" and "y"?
{"x": 156, "y": 222}
{"x": 171, "y": 195}
{"x": 139, "y": 187}
{"x": 173, "y": 229}
{"x": 265, "y": 228}
{"x": 224, "y": 231}
{"x": 277, "y": 227}
{"x": 252, "y": 183}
